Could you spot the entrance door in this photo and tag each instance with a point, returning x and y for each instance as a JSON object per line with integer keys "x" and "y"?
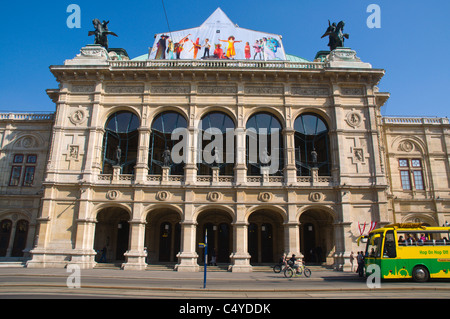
{"x": 122, "y": 239}
{"x": 253, "y": 242}
{"x": 5, "y": 234}
{"x": 20, "y": 238}
{"x": 309, "y": 238}
{"x": 165, "y": 241}
{"x": 223, "y": 255}
{"x": 266, "y": 243}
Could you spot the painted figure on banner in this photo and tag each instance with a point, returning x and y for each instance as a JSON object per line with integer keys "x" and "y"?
{"x": 161, "y": 51}
{"x": 196, "y": 46}
{"x": 231, "y": 52}
{"x": 257, "y": 47}
{"x": 178, "y": 47}
{"x": 270, "y": 48}
{"x": 171, "y": 49}
{"x": 248, "y": 54}
{"x": 218, "y": 52}
{"x": 207, "y": 46}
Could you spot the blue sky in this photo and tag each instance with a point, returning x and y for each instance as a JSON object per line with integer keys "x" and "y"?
{"x": 412, "y": 45}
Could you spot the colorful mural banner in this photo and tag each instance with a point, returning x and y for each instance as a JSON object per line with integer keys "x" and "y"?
{"x": 218, "y": 38}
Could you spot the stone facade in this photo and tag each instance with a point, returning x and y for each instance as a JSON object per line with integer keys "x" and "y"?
{"x": 145, "y": 213}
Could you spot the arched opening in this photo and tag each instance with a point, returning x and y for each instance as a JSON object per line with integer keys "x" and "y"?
{"x": 120, "y": 142}
{"x": 112, "y": 234}
{"x": 217, "y": 224}
{"x": 316, "y": 236}
{"x": 162, "y": 235}
{"x": 161, "y": 140}
{"x": 311, "y": 145}
{"x": 20, "y": 238}
{"x": 5, "y": 235}
{"x": 265, "y": 237}
{"x": 217, "y": 146}
{"x": 264, "y": 144}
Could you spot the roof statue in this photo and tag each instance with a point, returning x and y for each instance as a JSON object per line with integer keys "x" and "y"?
{"x": 335, "y": 35}
{"x": 101, "y": 33}
{"x": 217, "y": 38}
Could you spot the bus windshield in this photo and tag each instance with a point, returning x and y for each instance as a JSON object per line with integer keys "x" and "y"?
{"x": 374, "y": 242}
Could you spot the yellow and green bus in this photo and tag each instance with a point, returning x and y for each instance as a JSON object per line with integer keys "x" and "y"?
{"x": 409, "y": 251}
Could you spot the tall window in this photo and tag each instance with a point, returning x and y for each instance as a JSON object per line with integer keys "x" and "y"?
{"x": 311, "y": 145}
{"x": 264, "y": 145}
{"x": 411, "y": 171}
{"x": 161, "y": 140}
{"x": 219, "y": 153}
{"x": 23, "y": 170}
{"x": 120, "y": 143}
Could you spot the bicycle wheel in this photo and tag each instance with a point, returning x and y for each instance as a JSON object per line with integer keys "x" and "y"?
{"x": 307, "y": 272}
{"x": 288, "y": 272}
{"x": 277, "y": 269}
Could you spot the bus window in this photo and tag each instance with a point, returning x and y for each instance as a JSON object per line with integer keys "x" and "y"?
{"x": 425, "y": 237}
{"x": 374, "y": 245}
{"x": 389, "y": 245}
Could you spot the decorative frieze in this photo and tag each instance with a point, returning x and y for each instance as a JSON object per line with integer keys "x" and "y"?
{"x": 83, "y": 88}
{"x": 170, "y": 89}
{"x": 213, "y": 89}
{"x": 311, "y": 91}
{"x": 114, "y": 89}
{"x": 264, "y": 90}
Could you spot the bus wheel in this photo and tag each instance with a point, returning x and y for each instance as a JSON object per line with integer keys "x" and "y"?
{"x": 420, "y": 274}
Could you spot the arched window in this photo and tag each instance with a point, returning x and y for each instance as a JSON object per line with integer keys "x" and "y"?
{"x": 220, "y": 152}
{"x": 120, "y": 143}
{"x": 161, "y": 140}
{"x": 264, "y": 144}
{"x": 311, "y": 145}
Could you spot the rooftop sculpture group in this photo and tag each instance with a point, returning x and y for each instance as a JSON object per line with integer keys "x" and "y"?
{"x": 336, "y": 35}
{"x": 101, "y": 33}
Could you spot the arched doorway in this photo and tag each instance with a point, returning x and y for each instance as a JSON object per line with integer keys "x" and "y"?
{"x": 5, "y": 234}
{"x": 218, "y": 225}
{"x": 162, "y": 235}
{"x": 20, "y": 238}
{"x": 316, "y": 236}
{"x": 112, "y": 232}
{"x": 265, "y": 236}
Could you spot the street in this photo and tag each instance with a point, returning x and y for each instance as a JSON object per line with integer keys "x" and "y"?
{"x": 116, "y": 283}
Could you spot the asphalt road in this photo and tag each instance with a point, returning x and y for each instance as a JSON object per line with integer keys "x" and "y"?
{"x": 111, "y": 283}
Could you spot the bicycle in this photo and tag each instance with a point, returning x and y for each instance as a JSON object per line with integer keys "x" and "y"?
{"x": 290, "y": 271}
{"x": 279, "y": 267}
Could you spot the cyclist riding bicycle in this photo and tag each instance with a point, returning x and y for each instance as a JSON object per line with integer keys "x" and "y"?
{"x": 293, "y": 262}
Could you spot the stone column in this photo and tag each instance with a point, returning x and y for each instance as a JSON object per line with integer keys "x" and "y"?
{"x": 141, "y": 168}
{"x": 84, "y": 254}
{"x": 292, "y": 239}
{"x": 290, "y": 170}
{"x": 190, "y": 169}
{"x": 240, "y": 258}
{"x": 187, "y": 257}
{"x": 240, "y": 169}
{"x": 136, "y": 254}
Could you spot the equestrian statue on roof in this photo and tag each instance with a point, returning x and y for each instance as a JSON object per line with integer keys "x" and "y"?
{"x": 336, "y": 35}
